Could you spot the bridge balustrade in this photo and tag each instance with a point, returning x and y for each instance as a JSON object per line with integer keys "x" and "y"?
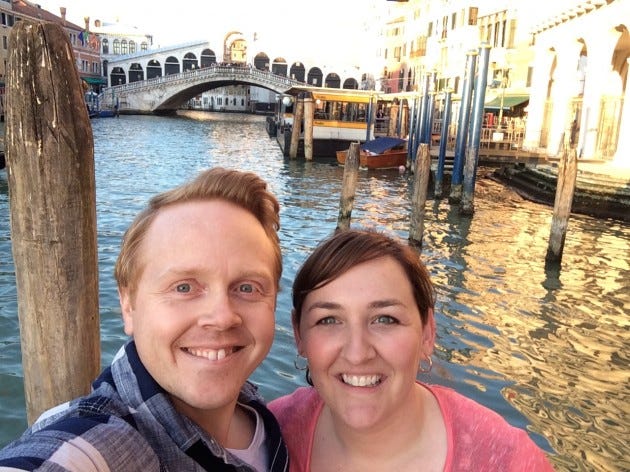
{"x": 196, "y": 75}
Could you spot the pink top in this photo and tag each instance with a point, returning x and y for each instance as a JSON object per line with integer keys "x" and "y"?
{"x": 478, "y": 439}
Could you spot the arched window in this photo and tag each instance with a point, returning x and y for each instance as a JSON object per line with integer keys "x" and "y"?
{"x": 144, "y": 46}
{"x": 116, "y": 46}
{"x": 132, "y": 47}
{"x": 105, "y": 44}
{"x": 124, "y": 47}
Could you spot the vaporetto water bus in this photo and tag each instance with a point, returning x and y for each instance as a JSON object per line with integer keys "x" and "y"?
{"x": 340, "y": 117}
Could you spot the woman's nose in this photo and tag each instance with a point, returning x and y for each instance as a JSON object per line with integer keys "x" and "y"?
{"x": 358, "y": 346}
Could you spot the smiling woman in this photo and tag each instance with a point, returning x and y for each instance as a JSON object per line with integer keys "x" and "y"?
{"x": 363, "y": 319}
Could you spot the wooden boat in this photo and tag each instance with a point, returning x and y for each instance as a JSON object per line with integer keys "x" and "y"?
{"x": 380, "y": 153}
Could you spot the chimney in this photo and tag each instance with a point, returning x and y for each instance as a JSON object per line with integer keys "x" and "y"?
{"x": 63, "y": 14}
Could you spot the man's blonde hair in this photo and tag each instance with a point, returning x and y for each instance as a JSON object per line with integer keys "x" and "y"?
{"x": 245, "y": 189}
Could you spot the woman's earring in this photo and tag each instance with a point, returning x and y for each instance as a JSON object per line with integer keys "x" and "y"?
{"x": 300, "y": 363}
{"x": 425, "y": 369}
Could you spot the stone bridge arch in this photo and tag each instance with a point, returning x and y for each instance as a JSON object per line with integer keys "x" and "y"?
{"x": 164, "y": 95}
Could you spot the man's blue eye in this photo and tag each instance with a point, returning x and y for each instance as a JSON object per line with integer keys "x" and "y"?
{"x": 385, "y": 319}
{"x": 183, "y": 288}
{"x": 246, "y": 288}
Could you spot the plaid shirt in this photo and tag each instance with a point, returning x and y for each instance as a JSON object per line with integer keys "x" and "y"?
{"x": 128, "y": 423}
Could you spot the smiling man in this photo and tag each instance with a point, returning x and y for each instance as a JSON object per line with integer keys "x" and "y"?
{"x": 198, "y": 276}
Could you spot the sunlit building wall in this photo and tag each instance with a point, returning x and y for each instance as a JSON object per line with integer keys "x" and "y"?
{"x": 580, "y": 81}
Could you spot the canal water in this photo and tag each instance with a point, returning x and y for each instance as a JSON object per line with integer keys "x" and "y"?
{"x": 548, "y": 350}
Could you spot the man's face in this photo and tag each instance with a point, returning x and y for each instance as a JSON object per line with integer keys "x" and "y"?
{"x": 202, "y": 315}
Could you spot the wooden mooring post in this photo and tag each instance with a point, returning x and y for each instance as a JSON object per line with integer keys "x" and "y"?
{"x": 419, "y": 195}
{"x": 565, "y": 188}
{"x": 50, "y": 166}
{"x": 309, "y": 112}
{"x": 349, "y": 186}
{"x": 296, "y": 129}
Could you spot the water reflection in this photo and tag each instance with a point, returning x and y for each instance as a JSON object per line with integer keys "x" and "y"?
{"x": 546, "y": 349}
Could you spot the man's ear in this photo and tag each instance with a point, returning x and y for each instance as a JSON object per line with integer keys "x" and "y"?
{"x": 126, "y": 306}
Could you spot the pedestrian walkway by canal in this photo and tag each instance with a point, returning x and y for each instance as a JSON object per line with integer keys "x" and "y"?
{"x": 548, "y": 351}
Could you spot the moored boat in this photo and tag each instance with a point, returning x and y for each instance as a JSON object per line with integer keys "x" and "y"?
{"x": 340, "y": 117}
{"x": 380, "y": 153}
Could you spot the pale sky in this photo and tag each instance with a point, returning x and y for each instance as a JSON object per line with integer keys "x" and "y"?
{"x": 330, "y": 21}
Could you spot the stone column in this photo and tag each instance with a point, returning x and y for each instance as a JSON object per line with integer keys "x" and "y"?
{"x": 622, "y": 155}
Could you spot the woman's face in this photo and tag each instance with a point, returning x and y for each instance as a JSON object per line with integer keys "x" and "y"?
{"x": 363, "y": 338}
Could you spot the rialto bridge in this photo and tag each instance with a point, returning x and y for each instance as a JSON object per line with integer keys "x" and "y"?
{"x": 163, "y": 79}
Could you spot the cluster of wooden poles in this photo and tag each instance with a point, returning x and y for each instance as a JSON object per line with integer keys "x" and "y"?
{"x": 52, "y": 198}
{"x": 465, "y": 163}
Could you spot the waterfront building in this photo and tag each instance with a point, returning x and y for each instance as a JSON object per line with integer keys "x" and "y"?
{"x": 561, "y": 68}
{"x": 85, "y": 45}
{"x": 119, "y": 40}
{"x": 580, "y": 80}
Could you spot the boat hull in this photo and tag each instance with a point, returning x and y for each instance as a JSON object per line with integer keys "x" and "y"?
{"x": 386, "y": 160}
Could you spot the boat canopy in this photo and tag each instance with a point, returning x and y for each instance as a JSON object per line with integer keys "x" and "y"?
{"x": 382, "y": 144}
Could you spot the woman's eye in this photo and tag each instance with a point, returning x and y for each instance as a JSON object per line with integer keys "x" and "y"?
{"x": 327, "y": 321}
{"x": 183, "y": 288}
{"x": 385, "y": 319}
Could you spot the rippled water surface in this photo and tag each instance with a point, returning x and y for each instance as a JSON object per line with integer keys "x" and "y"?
{"x": 548, "y": 351}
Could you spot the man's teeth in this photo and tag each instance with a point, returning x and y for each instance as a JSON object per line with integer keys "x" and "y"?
{"x": 211, "y": 354}
{"x": 361, "y": 380}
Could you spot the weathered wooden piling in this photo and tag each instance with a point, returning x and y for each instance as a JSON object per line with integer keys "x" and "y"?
{"x": 419, "y": 195}
{"x": 349, "y": 186}
{"x": 50, "y": 167}
{"x": 457, "y": 173}
{"x": 309, "y": 111}
{"x": 467, "y": 206}
{"x": 297, "y": 126}
{"x": 393, "y": 128}
{"x": 567, "y": 176}
{"x": 446, "y": 122}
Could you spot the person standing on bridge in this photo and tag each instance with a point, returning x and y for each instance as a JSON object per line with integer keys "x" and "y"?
{"x": 198, "y": 275}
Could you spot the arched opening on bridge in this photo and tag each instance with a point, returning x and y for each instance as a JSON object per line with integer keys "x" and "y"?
{"x": 297, "y": 71}
{"x": 333, "y": 81}
{"x": 351, "y": 84}
{"x": 235, "y": 48}
{"x": 279, "y": 66}
{"x": 315, "y": 76}
{"x": 261, "y": 61}
{"x": 171, "y": 66}
{"x": 208, "y": 57}
{"x": 154, "y": 69}
{"x": 189, "y": 62}
{"x": 118, "y": 76}
{"x": 135, "y": 73}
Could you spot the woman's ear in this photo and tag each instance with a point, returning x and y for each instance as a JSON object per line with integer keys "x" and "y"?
{"x": 296, "y": 331}
{"x": 428, "y": 334}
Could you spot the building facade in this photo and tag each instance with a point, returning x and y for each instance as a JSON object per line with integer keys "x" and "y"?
{"x": 566, "y": 74}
